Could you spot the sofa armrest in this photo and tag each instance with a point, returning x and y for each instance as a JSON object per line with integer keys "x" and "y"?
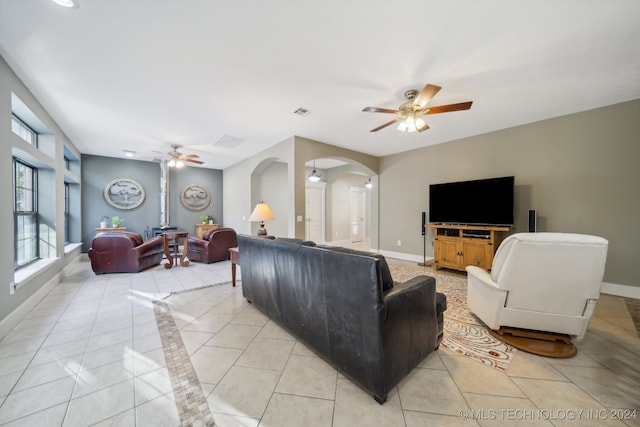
{"x": 409, "y": 325}
{"x": 484, "y": 297}
{"x": 410, "y": 286}
{"x": 481, "y": 277}
{"x": 155, "y": 244}
{"x": 410, "y": 316}
{"x": 196, "y": 242}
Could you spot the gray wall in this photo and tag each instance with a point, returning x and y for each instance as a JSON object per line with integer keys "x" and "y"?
{"x": 49, "y": 157}
{"x": 581, "y": 172}
{"x": 99, "y": 171}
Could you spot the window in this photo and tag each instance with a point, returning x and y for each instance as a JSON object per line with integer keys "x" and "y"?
{"x": 25, "y": 180}
{"x": 23, "y": 131}
{"x": 66, "y": 213}
{"x": 67, "y": 163}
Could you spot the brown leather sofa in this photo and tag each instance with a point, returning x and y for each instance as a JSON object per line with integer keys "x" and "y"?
{"x": 344, "y": 305}
{"x": 124, "y": 252}
{"x": 214, "y": 245}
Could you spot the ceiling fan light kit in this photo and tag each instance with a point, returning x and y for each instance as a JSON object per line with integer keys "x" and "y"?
{"x": 411, "y": 111}
{"x": 178, "y": 160}
{"x": 71, "y": 4}
{"x": 173, "y": 163}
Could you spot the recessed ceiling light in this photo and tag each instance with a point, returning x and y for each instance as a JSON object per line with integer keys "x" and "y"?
{"x": 71, "y": 4}
{"x": 129, "y": 153}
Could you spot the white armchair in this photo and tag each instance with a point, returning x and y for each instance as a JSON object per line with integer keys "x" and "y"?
{"x": 540, "y": 281}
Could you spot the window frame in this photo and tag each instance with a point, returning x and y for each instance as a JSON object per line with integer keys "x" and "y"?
{"x": 67, "y": 212}
{"x": 23, "y": 130}
{"x": 20, "y": 214}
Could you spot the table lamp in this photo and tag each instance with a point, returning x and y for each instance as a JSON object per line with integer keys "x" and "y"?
{"x": 262, "y": 213}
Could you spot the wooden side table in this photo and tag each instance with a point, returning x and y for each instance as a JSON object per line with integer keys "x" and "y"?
{"x": 106, "y": 229}
{"x": 234, "y": 255}
{"x": 172, "y": 238}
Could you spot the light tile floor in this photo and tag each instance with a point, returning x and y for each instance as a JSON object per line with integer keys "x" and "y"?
{"x": 91, "y": 353}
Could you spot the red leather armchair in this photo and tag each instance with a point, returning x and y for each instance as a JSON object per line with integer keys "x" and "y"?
{"x": 214, "y": 245}
{"x": 124, "y": 252}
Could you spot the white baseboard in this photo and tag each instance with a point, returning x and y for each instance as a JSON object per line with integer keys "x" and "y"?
{"x": 621, "y": 290}
{"x": 402, "y": 256}
{"x": 8, "y": 323}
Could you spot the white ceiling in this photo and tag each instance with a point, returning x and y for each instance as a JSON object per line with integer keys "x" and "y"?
{"x": 143, "y": 74}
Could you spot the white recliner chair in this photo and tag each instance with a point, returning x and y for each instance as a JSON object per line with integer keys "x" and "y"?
{"x": 540, "y": 281}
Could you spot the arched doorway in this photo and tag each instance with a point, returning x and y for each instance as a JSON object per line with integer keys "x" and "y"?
{"x": 341, "y": 202}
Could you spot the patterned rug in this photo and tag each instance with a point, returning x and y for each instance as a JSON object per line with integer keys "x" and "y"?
{"x": 464, "y": 333}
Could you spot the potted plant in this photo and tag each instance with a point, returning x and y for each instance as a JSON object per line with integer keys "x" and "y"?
{"x": 115, "y": 221}
{"x": 204, "y": 218}
{"x": 103, "y": 221}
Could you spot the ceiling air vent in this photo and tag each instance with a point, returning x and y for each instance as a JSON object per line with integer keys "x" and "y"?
{"x": 302, "y": 111}
{"x": 229, "y": 142}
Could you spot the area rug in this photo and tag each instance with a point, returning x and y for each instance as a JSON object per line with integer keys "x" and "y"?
{"x": 464, "y": 333}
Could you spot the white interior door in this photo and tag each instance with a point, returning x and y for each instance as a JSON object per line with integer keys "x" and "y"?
{"x": 358, "y": 211}
{"x": 315, "y": 212}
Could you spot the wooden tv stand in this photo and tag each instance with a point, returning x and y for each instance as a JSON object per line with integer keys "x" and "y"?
{"x": 457, "y": 246}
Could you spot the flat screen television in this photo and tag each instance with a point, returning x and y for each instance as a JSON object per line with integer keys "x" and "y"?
{"x": 478, "y": 202}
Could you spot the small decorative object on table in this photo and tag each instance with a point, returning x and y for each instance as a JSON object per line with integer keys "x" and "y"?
{"x": 115, "y": 221}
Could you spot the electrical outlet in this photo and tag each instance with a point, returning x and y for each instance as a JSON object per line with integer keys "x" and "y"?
{"x": 399, "y": 243}
{"x": 12, "y": 288}
{"x": 244, "y": 217}
{"x": 299, "y": 218}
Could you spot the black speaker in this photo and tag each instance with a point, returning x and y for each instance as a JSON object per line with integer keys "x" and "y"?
{"x": 532, "y": 221}
{"x": 423, "y": 228}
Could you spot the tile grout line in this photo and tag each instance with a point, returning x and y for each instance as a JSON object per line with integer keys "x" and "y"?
{"x": 191, "y": 402}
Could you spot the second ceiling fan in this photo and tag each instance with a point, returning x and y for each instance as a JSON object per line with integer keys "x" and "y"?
{"x": 410, "y": 113}
{"x": 177, "y": 159}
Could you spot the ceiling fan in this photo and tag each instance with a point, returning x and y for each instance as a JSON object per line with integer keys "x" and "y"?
{"x": 177, "y": 159}
{"x": 410, "y": 113}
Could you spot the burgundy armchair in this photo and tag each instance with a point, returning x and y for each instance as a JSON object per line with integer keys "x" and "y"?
{"x": 124, "y": 252}
{"x": 214, "y": 245}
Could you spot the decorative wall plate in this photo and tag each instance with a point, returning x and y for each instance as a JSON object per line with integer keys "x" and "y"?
{"x": 195, "y": 197}
{"x": 124, "y": 193}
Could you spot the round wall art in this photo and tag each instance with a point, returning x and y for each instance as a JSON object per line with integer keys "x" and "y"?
{"x": 195, "y": 197}
{"x": 124, "y": 193}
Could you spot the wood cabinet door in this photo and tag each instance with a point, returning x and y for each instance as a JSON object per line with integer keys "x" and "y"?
{"x": 477, "y": 253}
{"x": 448, "y": 253}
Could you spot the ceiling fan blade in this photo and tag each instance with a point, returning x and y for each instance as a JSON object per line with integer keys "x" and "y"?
{"x": 386, "y": 124}
{"x": 380, "y": 110}
{"x": 198, "y": 162}
{"x": 193, "y": 156}
{"x": 425, "y": 96}
{"x": 448, "y": 108}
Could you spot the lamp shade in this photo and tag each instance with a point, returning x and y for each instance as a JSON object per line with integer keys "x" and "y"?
{"x": 262, "y": 212}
